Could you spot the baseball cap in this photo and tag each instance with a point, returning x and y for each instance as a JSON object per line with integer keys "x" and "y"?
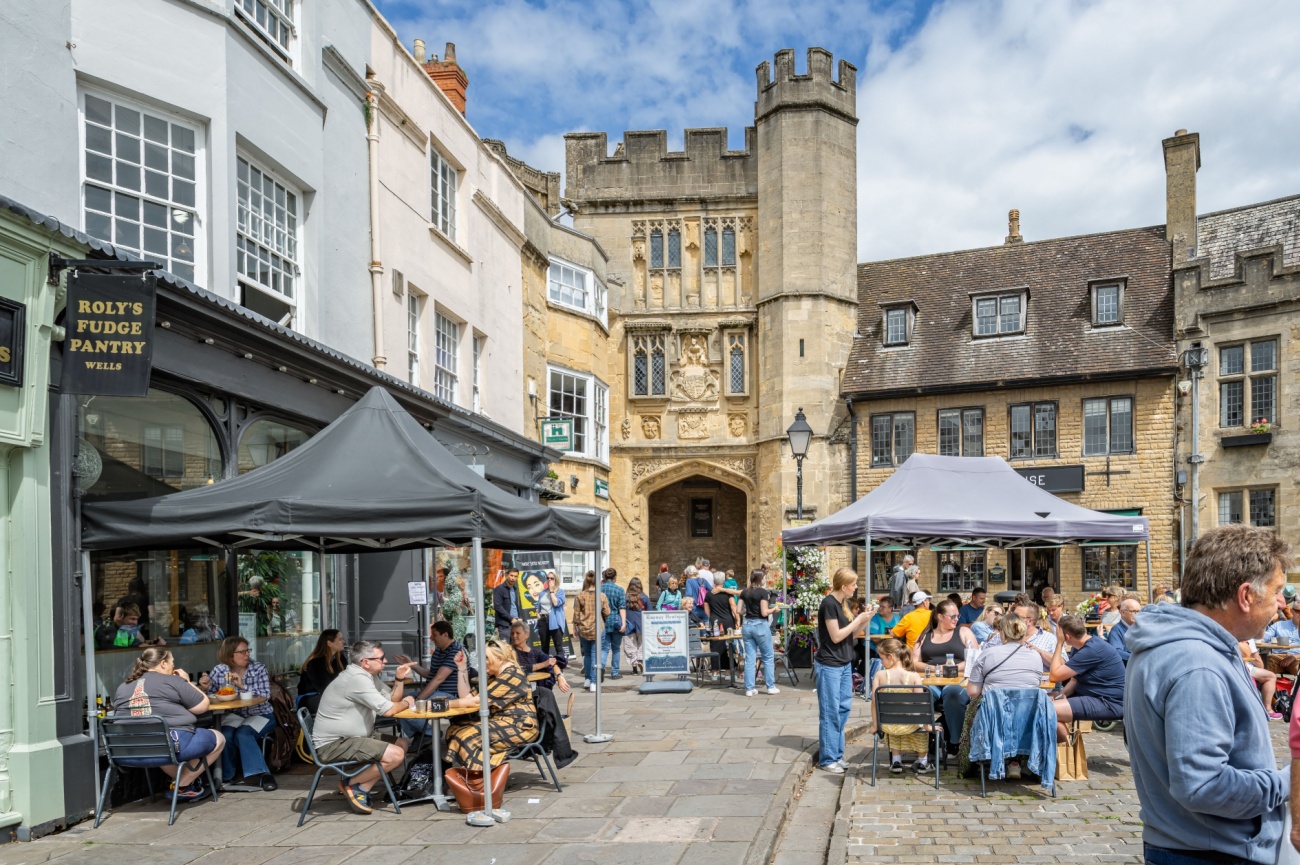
{"x": 1288, "y": 592}
{"x": 918, "y": 597}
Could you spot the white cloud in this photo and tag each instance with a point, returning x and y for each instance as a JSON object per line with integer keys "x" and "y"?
{"x": 967, "y": 109}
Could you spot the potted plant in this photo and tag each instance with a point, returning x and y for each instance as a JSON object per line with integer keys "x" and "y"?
{"x": 1260, "y": 433}
{"x": 799, "y": 651}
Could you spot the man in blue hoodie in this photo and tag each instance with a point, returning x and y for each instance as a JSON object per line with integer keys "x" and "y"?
{"x": 1203, "y": 764}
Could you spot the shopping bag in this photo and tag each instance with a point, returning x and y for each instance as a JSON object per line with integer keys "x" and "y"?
{"x": 1286, "y": 852}
{"x": 1072, "y": 757}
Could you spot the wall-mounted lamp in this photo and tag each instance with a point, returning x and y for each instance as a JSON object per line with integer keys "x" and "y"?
{"x": 573, "y": 481}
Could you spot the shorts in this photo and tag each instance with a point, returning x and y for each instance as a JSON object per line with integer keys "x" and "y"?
{"x": 190, "y": 745}
{"x": 358, "y": 749}
{"x": 1094, "y": 709}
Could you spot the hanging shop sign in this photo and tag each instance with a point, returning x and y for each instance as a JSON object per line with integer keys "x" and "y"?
{"x": 1054, "y": 479}
{"x": 109, "y": 345}
{"x": 602, "y": 488}
{"x": 13, "y": 330}
{"x": 558, "y": 434}
{"x": 528, "y": 560}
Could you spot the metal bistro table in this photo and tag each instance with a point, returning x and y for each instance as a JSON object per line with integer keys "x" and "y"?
{"x": 438, "y": 797}
{"x": 229, "y": 706}
{"x": 730, "y": 640}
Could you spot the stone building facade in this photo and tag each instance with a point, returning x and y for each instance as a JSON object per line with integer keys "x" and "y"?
{"x": 731, "y": 305}
{"x": 1055, "y": 355}
{"x": 1237, "y": 322}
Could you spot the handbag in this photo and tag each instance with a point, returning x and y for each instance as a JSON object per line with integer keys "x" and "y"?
{"x": 467, "y": 787}
{"x": 1072, "y": 756}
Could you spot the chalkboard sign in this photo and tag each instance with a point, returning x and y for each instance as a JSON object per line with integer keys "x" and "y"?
{"x": 701, "y": 518}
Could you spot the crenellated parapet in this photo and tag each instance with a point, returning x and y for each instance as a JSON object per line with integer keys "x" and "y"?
{"x": 642, "y": 167}
{"x": 818, "y": 89}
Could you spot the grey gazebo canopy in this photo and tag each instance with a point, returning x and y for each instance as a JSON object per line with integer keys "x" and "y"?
{"x": 374, "y": 479}
{"x": 970, "y": 501}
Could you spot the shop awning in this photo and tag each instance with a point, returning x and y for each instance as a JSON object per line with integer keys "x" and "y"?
{"x": 374, "y": 479}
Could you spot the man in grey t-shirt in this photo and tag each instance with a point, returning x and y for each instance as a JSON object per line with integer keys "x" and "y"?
{"x": 344, "y": 729}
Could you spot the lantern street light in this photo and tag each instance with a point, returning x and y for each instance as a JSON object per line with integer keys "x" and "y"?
{"x": 800, "y": 435}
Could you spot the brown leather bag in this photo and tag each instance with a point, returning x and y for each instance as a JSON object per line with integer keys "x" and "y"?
{"x": 467, "y": 787}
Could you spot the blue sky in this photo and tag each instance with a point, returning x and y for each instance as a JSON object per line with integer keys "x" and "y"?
{"x": 967, "y": 108}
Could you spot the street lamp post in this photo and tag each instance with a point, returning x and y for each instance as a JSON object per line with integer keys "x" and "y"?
{"x": 800, "y": 435}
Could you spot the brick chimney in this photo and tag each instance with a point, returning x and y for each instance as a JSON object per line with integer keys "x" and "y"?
{"x": 447, "y": 74}
{"x": 1182, "y": 159}
{"x": 1013, "y": 228}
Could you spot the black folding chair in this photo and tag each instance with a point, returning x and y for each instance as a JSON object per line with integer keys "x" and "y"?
{"x": 911, "y": 706}
{"x": 535, "y": 751}
{"x": 141, "y": 743}
{"x": 699, "y": 657}
{"x": 345, "y": 769}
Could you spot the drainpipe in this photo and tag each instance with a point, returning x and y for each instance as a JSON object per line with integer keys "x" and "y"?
{"x": 1196, "y": 359}
{"x": 376, "y": 265}
{"x": 853, "y": 475}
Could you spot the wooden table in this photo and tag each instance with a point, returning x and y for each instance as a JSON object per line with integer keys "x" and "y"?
{"x": 438, "y": 798}
{"x": 941, "y": 681}
{"x": 230, "y": 705}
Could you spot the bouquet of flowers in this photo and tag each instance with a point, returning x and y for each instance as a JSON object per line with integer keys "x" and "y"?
{"x": 1090, "y": 607}
{"x": 806, "y": 579}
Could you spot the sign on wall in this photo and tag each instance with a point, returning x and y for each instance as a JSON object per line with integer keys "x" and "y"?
{"x": 701, "y": 518}
{"x": 664, "y": 646}
{"x": 109, "y": 344}
{"x": 13, "y": 324}
{"x": 558, "y": 434}
{"x": 1054, "y": 479}
{"x": 602, "y": 488}
{"x": 528, "y": 560}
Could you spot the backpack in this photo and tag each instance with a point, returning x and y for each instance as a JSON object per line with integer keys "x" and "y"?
{"x": 285, "y": 738}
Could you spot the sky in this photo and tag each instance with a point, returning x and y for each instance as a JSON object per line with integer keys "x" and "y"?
{"x": 966, "y": 108}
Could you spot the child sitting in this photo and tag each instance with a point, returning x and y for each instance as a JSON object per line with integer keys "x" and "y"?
{"x": 897, "y": 671}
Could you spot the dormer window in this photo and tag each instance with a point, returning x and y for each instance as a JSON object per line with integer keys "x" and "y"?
{"x": 1107, "y": 304}
{"x": 999, "y": 314}
{"x": 897, "y": 320}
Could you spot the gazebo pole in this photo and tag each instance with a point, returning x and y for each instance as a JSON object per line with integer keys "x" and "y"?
{"x": 487, "y": 816}
{"x": 1151, "y": 589}
{"x": 596, "y": 674}
{"x": 870, "y": 573}
{"x": 92, "y": 688}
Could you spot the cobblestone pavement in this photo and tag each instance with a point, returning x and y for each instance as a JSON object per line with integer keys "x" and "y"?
{"x": 904, "y": 819}
{"x": 687, "y": 780}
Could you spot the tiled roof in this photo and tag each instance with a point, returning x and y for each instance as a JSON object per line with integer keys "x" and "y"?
{"x": 1219, "y": 236}
{"x": 1059, "y": 342}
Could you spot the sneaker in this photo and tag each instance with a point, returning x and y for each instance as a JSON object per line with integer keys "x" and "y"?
{"x": 896, "y": 767}
{"x": 590, "y": 686}
{"x": 358, "y": 799}
{"x": 773, "y": 689}
{"x": 1275, "y": 716}
{"x": 1013, "y": 770}
{"x": 921, "y": 765}
{"x": 833, "y": 768}
{"x": 616, "y": 675}
{"x": 192, "y": 793}
{"x": 752, "y": 692}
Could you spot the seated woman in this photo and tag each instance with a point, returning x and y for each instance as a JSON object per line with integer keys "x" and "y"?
{"x": 512, "y": 716}
{"x": 157, "y": 689}
{"x": 896, "y": 671}
{"x": 244, "y": 729}
{"x": 1012, "y": 664}
{"x": 536, "y": 661}
{"x": 322, "y": 666}
{"x": 942, "y": 638}
{"x": 987, "y": 625}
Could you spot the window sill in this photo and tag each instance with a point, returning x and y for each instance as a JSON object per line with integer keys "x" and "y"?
{"x": 1109, "y": 454}
{"x": 573, "y": 310}
{"x": 1246, "y": 440}
{"x": 998, "y": 337}
{"x": 583, "y": 459}
{"x": 648, "y": 398}
{"x": 737, "y": 396}
{"x": 1107, "y": 328}
{"x": 451, "y": 244}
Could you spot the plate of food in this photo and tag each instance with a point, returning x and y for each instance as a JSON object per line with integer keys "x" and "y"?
{"x": 225, "y": 695}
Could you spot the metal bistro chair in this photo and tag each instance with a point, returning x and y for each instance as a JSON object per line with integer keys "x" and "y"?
{"x": 906, "y": 705}
{"x": 345, "y": 769}
{"x": 699, "y": 657}
{"x": 537, "y": 752}
{"x": 141, "y": 743}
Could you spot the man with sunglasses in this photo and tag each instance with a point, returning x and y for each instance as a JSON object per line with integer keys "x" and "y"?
{"x": 345, "y": 722}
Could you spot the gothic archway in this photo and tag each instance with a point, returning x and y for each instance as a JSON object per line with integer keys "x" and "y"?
{"x": 698, "y": 517}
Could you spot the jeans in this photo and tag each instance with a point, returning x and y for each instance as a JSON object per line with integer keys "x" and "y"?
{"x": 612, "y": 645}
{"x": 242, "y": 741}
{"x": 1164, "y": 856}
{"x": 834, "y": 700}
{"x": 953, "y": 699}
{"x": 758, "y": 638}
{"x": 588, "y": 659}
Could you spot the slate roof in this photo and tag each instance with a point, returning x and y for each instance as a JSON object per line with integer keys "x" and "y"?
{"x": 1219, "y": 236}
{"x": 1059, "y": 343}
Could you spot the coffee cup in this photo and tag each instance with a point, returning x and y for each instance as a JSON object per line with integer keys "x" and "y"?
{"x": 421, "y": 705}
{"x": 1283, "y": 640}
{"x": 245, "y": 695}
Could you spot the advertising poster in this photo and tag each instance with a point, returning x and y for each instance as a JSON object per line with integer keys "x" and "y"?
{"x": 665, "y": 644}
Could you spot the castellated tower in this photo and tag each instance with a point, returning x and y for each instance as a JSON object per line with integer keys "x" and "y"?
{"x": 732, "y": 303}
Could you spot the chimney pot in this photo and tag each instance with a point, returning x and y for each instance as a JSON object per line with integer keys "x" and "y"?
{"x": 419, "y": 51}
{"x": 448, "y": 75}
{"x": 1013, "y": 228}
{"x": 450, "y": 53}
{"x": 1181, "y": 132}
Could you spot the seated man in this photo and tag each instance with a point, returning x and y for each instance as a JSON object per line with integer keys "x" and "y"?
{"x": 123, "y": 630}
{"x": 345, "y": 722}
{"x": 440, "y": 675}
{"x": 1094, "y": 678}
{"x": 1285, "y": 660}
{"x": 1128, "y": 610}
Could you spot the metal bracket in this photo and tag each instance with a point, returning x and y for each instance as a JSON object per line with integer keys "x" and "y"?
{"x": 58, "y": 264}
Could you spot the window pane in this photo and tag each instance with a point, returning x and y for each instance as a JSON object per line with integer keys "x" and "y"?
{"x": 986, "y": 316}
{"x": 1010, "y": 314}
{"x": 728, "y": 246}
{"x": 1263, "y": 397}
{"x": 674, "y": 248}
{"x": 904, "y": 436}
{"x": 950, "y": 433}
{"x": 881, "y": 428}
{"x": 710, "y": 247}
{"x": 737, "y": 370}
{"x": 657, "y": 368}
{"x": 1021, "y": 431}
{"x": 267, "y": 228}
{"x": 1229, "y": 508}
{"x": 1045, "y": 429}
{"x": 1231, "y": 399}
{"x": 1232, "y": 360}
{"x": 1094, "y": 427}
{"x": 896, "y": 327}
{"x": 1262, "y": 512}
{"x": 1107, "y": 304}
{"x": 1263, "y": 356}
{"x": 972, "y": 433}
{"x": 1121, "y": 425}
{"x": 641, "y": 374}
{"x": 656, "y": 249}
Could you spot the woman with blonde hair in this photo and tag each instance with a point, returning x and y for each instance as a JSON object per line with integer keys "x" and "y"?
{"x": 988, "y": 623}
{"x": 833, "y": 667}
{"x": 156, "y": 688}
{"x": 896, "y": 663}
{"x": 512, "y": 718}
